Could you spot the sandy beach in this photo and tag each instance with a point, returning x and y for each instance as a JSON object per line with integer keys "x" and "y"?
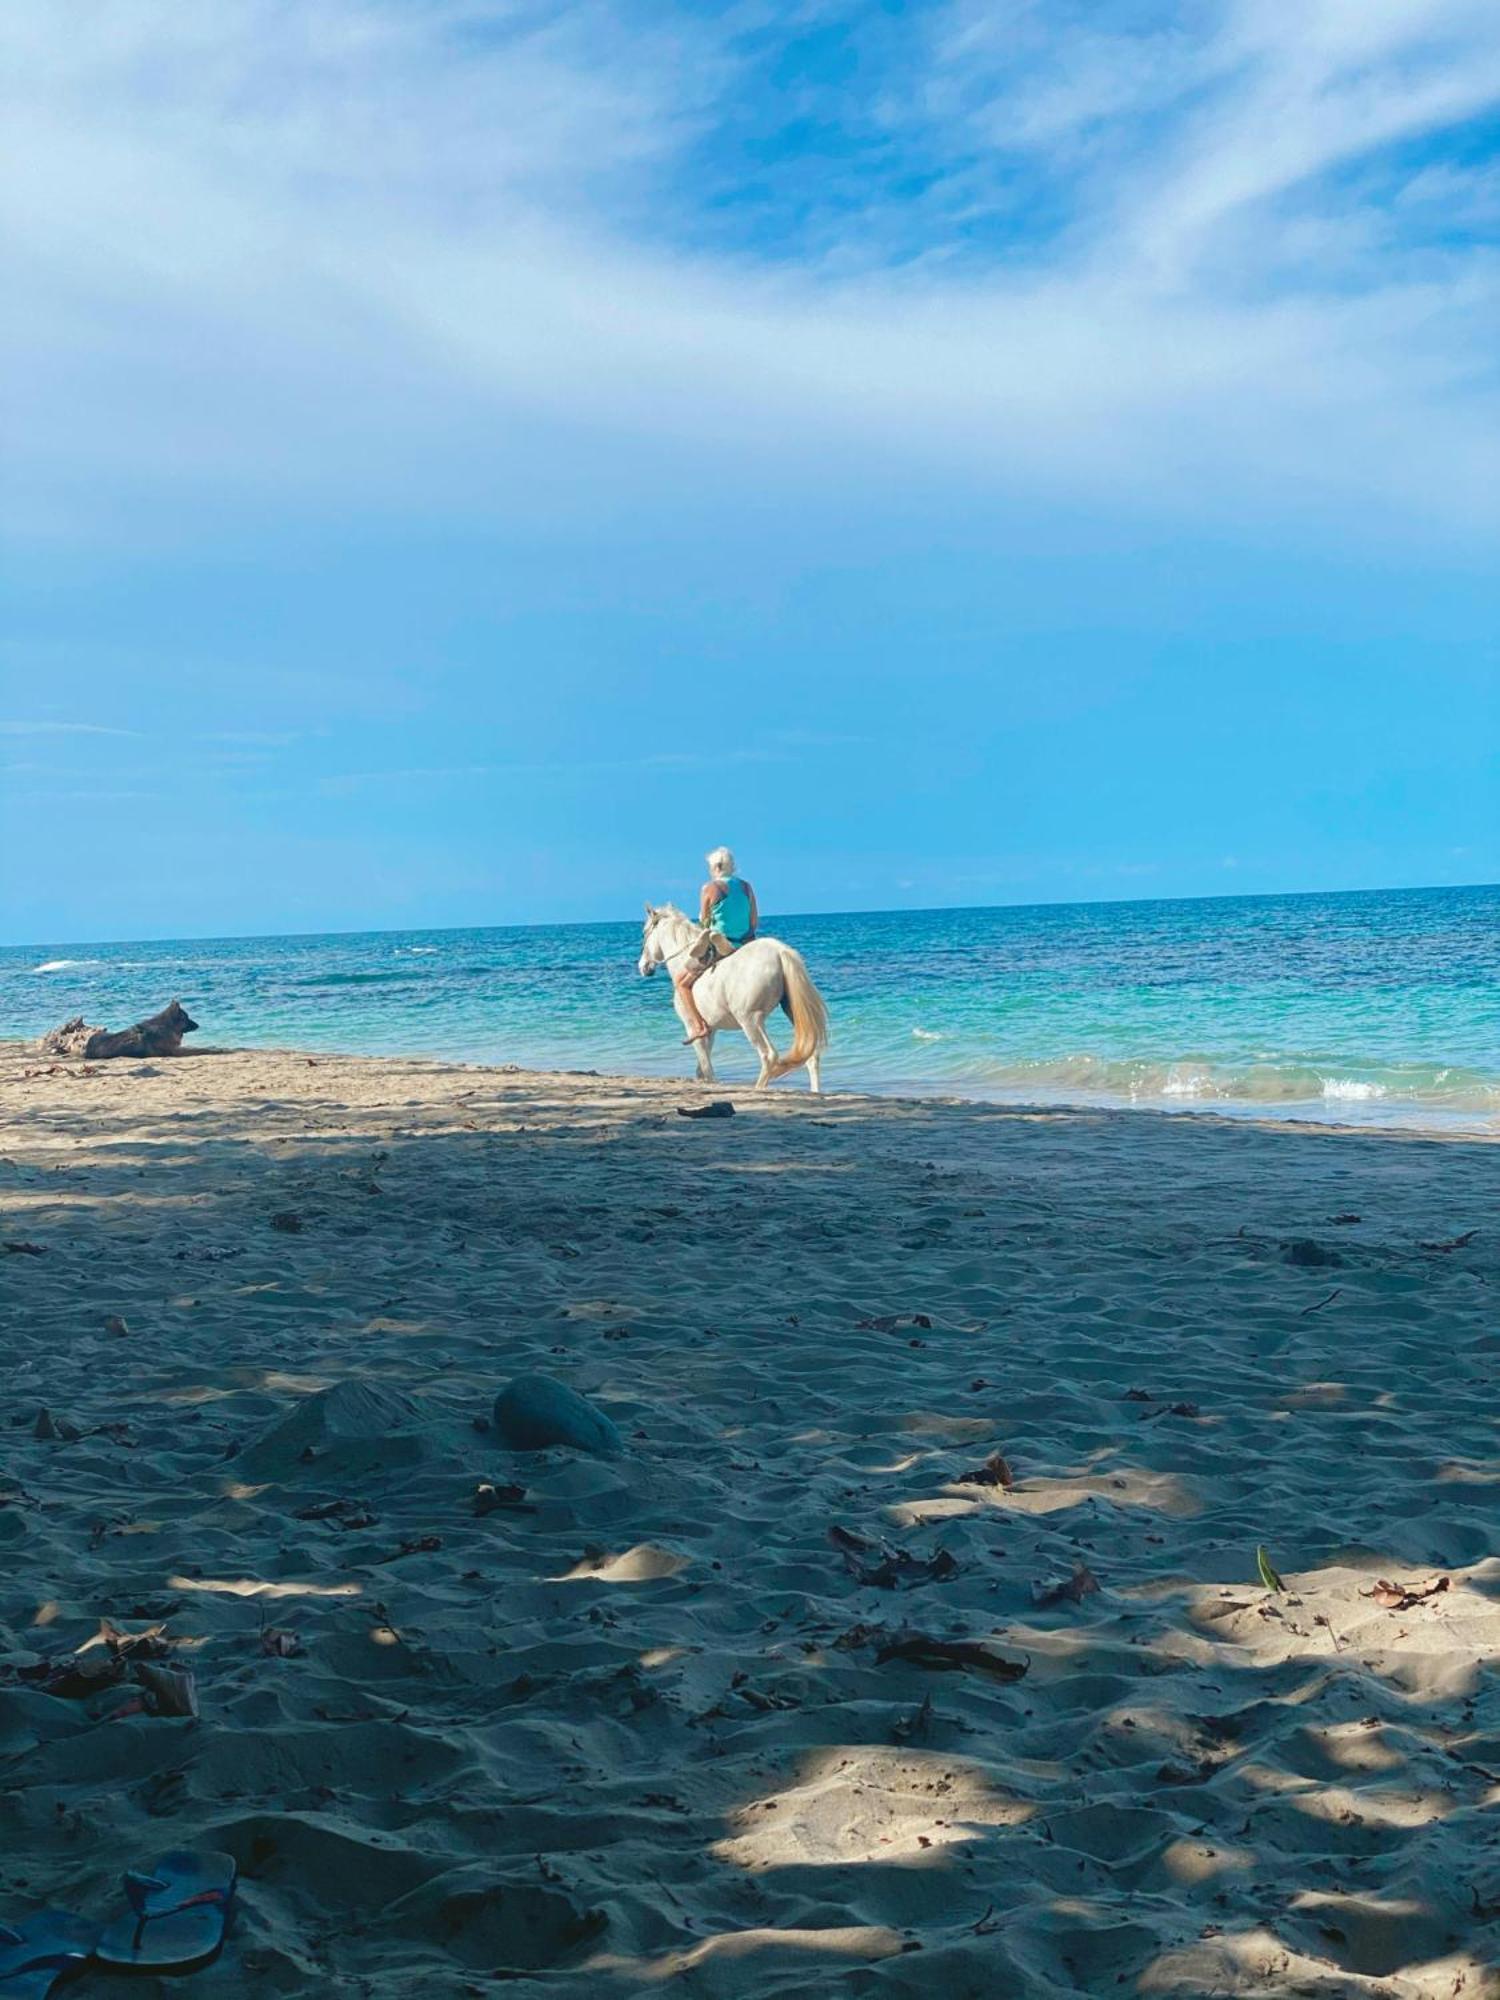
{"x": 783, "y": 1699}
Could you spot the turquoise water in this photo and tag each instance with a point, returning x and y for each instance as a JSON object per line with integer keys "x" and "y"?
{"x": 1361, "y": 1008}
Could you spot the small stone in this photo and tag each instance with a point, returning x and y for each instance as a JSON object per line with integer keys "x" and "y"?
{"x": 289, "y": 1222}
{"x": 115, "y": 1327}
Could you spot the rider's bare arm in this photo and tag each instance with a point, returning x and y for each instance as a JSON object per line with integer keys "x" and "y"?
{"x": 713, "y": 892}
{"x": 754, "y": 910}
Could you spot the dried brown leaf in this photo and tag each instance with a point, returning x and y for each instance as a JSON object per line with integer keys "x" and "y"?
{"x": 1067, "y": 1590}
{"x": 994, "y": 1472}
{"x": 922, "y": 1649}
{"x": 1401, "y": 1597}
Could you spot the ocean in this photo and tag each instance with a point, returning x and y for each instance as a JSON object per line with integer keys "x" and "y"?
{"x": 1363, "y": 1008}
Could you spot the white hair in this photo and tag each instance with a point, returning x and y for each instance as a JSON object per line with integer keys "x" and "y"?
{"x": 720, "y": 863}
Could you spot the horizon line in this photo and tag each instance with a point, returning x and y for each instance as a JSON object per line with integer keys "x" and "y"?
{"x": 791, "y": 916}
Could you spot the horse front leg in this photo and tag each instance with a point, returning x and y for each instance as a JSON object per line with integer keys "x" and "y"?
{"x": 705, "y": 1053}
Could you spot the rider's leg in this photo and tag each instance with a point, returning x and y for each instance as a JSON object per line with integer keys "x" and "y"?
{"x": 687, "y": 1007}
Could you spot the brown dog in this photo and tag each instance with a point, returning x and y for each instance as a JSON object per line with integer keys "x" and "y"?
{"x": 160, "y": 1036}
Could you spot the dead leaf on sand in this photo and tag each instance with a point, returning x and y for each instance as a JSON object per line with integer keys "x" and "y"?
{"x": 1066, "y": 1590}
{"x": 279, "y": 1645}
{"x": 886, "y": 1568}
{"x": 1452, "y": 1242}
{"x": 24, "y": 1249}
{"x": 342, "y": 1513}
{"x": 75, "y": 1679}
{"x": 168, "y": 1690}
{"x": 420, "y": 1545}
{"x": 994, "y": 1472}
{"x": 490, "y": 1499}
{"x": 894, "y": 1323}
{"x": 922, "y": 1649}
{"x": 1401, "y": 1597}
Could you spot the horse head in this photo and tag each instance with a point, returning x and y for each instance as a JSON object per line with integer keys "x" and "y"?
{"x": 656, "y": 936}
{"x": 651, "y": 948}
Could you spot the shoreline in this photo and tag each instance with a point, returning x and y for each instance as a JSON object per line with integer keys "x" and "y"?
{"x": 1240, "y": 1112}
{"x": 684, "y": 1714}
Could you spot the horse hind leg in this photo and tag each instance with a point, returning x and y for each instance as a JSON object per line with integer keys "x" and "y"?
{"x": 764, "y": 1047}
{"x": 815, "y": 1075}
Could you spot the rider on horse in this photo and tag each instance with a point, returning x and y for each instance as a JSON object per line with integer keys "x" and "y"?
{"x": 728, "y": 918}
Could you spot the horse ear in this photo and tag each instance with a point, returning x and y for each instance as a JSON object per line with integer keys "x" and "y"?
{"x": 651, "y": 909}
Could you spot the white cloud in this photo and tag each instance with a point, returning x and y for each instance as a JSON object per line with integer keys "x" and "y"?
{"x": 358, "y": 254}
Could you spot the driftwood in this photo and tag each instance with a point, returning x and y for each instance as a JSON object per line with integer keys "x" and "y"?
{"x": 160, "y": 1036}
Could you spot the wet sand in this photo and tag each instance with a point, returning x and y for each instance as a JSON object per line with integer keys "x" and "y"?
{"x": 648, "y": 1725}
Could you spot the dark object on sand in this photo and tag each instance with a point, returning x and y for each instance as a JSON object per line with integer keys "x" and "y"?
{"x": 39, "y": 1951}
{"x": 883, "y": 1567}
{"x": 179, "y": 1912}
{"x": 923, "y": 1649}
{"x": 166, "y": 1690}
{"x": 720, "y": 1108}
{"x": 994, "y": 1472}
{"x": 533, "y": 1413}
{"x": 289, "y": 1222}
{"x": 1308, "y": 1254}
{"x": 1065, "y": 1589}
{"x": 160, "y": 1036}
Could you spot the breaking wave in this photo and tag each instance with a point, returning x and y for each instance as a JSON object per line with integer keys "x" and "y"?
{"x": 1194, "y": 1080}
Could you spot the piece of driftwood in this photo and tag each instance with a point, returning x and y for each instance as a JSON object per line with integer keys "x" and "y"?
{"x": 160, "y": 1036}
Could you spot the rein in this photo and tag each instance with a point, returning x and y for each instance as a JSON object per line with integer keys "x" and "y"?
{"x": 667, "y": 957}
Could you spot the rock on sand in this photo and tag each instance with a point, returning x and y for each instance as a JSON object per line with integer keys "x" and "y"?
{"x": 534, "y": 1412}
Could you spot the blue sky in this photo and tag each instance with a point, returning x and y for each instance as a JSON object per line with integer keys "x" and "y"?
{"x": 467, "y": 459}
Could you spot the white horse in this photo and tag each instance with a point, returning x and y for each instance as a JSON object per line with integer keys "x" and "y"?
{"x": 740, "y": 991}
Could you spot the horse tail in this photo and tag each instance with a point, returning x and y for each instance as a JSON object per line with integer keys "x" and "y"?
{"x": 809, "y": 1015}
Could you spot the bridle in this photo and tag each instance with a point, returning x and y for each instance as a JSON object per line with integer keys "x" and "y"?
{"x": 666, "y": 958}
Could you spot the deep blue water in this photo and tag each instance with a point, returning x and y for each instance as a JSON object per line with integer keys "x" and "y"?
{"x": 1359, "y": 1008}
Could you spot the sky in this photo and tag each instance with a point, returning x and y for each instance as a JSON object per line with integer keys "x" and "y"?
{"x": 465, "y": 458}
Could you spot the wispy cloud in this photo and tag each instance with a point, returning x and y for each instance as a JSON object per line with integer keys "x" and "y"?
{"x": 346, "y": 254}
{"x": 579, "y": 769}
{"x": 45, "y": 728}
{"x": 253, "y": 739}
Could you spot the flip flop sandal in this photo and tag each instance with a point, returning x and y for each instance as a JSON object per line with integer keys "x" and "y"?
{"x": 39, "y": 1952}
{"x": 179, "y": 1913}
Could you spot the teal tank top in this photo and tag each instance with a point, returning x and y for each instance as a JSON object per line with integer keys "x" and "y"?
{"x": 731, "y": 914}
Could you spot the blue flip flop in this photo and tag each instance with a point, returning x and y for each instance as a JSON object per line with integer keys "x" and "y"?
{"x": 43, "y": 1949}
{"x": 179, "y": 1914}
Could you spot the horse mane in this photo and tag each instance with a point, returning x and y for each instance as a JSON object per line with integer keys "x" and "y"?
{"x": 670, "y": 910}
